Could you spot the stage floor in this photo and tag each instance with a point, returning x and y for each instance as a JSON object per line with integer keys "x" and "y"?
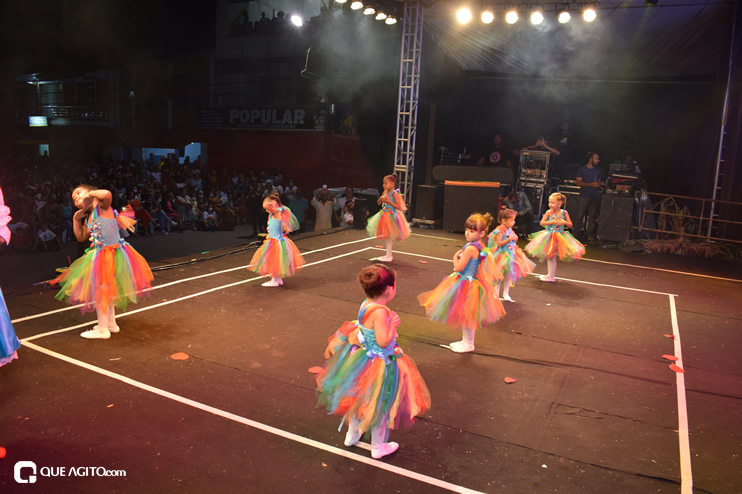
{"x": 595, "y": 408}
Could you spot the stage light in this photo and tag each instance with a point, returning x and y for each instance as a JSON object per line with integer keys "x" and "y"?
{"x": 488, "y": 15}
{"x": 463, "y": 15}
{"x": 537, "y": 14}
{"x": 589, "y": 13}
{"x": 340, "y": 1}
{"x": 369, "y": 11}
{"x": 563, "y": 15}
{"x": 390, "y": 20}
{"x": 651, "y": 3}
{"x": 356, "y": 5}
{"x": 297, "y": 21}
{"x": 511, "y": 16}
{"x": 380, "y": 16}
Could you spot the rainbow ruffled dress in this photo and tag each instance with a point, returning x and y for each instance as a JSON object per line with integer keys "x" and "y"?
{"x": 553, "y": 241}
{"x": 360, "y": 380}
{"x": 466, "y": 299}
{"x": 110, "y": 271}
{"x": 278, "y": 256}
{"x": 512, "y": 261}
{"x": 389, "y": 222}
{"x": 8, "y": 340}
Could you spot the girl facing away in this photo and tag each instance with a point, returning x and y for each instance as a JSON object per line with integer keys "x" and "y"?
{"x": 367, "y": 379}
{"x": 553, "y": 242}
{"x": 111, "y": 273}
{"x": 466, "y": 299}
{"x": 278, "y": 257}
{"x": 389, "y": 223}
{"x": 510, "y": 259}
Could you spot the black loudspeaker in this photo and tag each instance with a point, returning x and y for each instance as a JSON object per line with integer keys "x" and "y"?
{"x": 429, "y": 202}
{"x": 464, "y": 198}
{"x": 359, "y": 213}
{"x": 572, "y": 205}
{"x": 615, "y": 218}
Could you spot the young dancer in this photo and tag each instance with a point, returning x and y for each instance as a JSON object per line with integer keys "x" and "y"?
{"x": 389, "y": 223}
{"x": 111, "y": 273}
{"x": 466, "y": 299}
{"x": 553, "y": 242}
{"x": 508, "y": 256}
{"x": 8, "y": 340}
{"x": 278, "y": 257}
{"x": 367, "y": 379}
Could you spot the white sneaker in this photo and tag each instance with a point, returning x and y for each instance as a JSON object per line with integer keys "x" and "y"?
{"x": 96, "y": 334}
{"x": 271, "y": 283}
{"x": 462, "y": 348}
{"x": 384, "y": 449}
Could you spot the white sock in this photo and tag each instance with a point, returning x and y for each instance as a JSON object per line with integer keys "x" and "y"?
{"x": 506, "y": 288}
{"x": 551, "y": 266}
{"x": 389, "y": 244}
{"x": 353, "y": 435}
{"x": 102, "y": 319}
{"x": 379, "y": 446}
{"x": 468, "y": 335}
{"x": 111, "y": 316}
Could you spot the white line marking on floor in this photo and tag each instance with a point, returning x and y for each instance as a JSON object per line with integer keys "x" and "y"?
{"x": 686, "y": 473}
{"x": 663, "y": 270}
{"x": 611, "y": 286}
{"x": 184, "y": 280}
{"x": 186, "y": 297}
{"x": 257, "y": 425}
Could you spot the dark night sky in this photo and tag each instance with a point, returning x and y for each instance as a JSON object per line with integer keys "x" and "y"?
{"x": 78, "y": 35}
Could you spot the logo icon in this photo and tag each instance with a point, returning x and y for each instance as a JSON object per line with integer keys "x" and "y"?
{"x": 17, "y": 472}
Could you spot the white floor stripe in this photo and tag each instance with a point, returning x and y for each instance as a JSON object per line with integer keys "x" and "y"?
{"x": 611, "y": 286}
{"x": 180, "y": 299}
{"x": 686, "y": 473}
{"x": 184, "y": 280}
{"x": 685, "y": 273}
{"x": 258, "y": 425}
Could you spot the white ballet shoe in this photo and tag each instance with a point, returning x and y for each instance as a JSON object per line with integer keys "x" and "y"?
{"x": 280, "y": 282}
{"x": 115, "y": 329}
{"x": 507, "y": 298}
{"x": 384, "y": 449}
{"x": 547, "y": 279}
{"x": 271, "y": 283}
{"x": 385, "y": 259}
{"x": 352, "y": 437}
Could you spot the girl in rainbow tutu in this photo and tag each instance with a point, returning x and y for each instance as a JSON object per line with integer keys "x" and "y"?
{"x": 389, "y": 223}
{"x": 8, "y": 340}
{"x": 553, "y": 242}
{"x": 466, "y": 299}
{"x": 111, "y": 273}
{"x": 510, "y": 259}
{"x": 367, "y": 379}
{"x": 278, "y": 257}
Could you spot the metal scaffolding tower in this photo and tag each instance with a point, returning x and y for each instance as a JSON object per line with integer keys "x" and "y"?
{"x": 409, "y": 83}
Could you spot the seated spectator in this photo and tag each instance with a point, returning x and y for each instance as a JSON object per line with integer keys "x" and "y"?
{"x": 518, "y": 201}
{"x": 47, "y": 239}
{"x": 210, "y": 219}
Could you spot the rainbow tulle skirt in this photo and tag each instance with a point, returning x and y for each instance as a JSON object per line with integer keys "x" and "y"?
{"x": 116, "y": 274}
{"x": 387, "y": 224}
{"x": 279, "y": 258}
{"x": 8, "y": 340}
{"x": 356, "y": 386}
{"x": 462, "y": 303}
{"x": 514, "y": 263}
{"x": 562, "y": 245}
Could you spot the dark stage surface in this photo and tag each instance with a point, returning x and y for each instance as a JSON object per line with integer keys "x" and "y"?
{"x": 595, "y": 407}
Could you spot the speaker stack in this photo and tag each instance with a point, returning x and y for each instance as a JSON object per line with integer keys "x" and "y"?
{"x": 615, "y": 218}
{"x": 464, "y": 198}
